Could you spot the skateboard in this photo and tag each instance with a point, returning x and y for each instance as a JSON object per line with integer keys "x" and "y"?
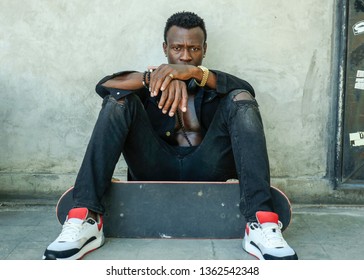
{"x": 175, "y": 209}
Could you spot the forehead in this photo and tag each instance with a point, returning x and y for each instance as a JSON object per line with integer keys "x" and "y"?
{"x": 179, "y": 35}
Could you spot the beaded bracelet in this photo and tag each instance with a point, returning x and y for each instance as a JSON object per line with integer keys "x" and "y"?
{"x": 144, "y": 81}
{"x": 148, "y": 76}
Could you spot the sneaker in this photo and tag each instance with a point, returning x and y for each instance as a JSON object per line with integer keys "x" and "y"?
{"x": 264, "y": 240}
{"x": 80, "y": 235}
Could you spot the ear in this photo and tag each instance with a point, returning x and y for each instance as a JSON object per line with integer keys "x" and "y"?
{"x": 165, "y": 48}
{"x": 204, "y": 48}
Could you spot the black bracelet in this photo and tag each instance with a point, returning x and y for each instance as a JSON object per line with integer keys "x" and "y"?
{"x": 144, "y": 81}
{"x": 148, "y": 76}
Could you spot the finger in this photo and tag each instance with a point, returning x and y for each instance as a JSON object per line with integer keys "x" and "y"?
{"x": 162, "y": 82}
{"x": 163, "y": 99}
{"x": 157, "y": 79}
{"x": 176, "y": 102}
{"x": 184, "y": 100}
{"x": 169, "y": 101}
{"x": 167, "y": 81}
{"x": 152, "y": 83}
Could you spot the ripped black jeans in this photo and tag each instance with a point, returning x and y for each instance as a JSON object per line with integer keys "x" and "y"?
{"x": 233, "y": 147}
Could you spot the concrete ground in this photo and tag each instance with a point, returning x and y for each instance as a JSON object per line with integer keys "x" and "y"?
{"x": 316, "y": 233}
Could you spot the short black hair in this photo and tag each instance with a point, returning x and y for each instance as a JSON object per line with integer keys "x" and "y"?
{"x": 185, "y": 20}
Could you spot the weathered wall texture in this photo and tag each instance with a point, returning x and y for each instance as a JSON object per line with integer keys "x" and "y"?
{"x": 52, "y": 53}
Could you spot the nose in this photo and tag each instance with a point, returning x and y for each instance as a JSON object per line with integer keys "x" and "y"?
{"x": 185, "y": 56}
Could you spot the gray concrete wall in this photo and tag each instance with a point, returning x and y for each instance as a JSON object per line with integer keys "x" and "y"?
{"x": 52, "y": 53}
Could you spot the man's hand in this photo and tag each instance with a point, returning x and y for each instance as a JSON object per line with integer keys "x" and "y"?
{"x": 165, "y": 73}
{"x": 169, "y": 78}
{"x": 173, "y": 97}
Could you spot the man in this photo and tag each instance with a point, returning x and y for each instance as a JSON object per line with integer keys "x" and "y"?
{"x": 176, "y": 122}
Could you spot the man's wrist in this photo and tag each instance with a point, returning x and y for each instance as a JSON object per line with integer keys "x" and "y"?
{"x": 146, "y": 78}
{"x": 205, "y": 76}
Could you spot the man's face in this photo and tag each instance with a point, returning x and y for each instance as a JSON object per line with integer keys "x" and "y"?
{"x": 185, "y": 46}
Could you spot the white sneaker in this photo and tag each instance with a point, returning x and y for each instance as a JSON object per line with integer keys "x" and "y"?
{"x": 264, "y": 240}
{"x": 80, "y": 235}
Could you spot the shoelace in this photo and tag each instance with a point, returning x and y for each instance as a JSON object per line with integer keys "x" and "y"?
{"x": 69, "y": 231}
{"x": 273, "y": 234}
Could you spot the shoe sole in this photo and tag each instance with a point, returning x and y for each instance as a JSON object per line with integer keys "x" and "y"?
{"x": 255, "y": 252}
{"x": 92, "y": 246}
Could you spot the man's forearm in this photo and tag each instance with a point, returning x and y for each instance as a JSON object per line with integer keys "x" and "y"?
{"x": 134, "y": 80}
{"x": 128, "y": 81}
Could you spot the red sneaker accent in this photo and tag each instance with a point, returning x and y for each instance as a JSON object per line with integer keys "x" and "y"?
{"x": 78, "y": 213}
{"x": 267, "y": 217}
{"x": 101, "y": 222}
{"x": 247, "y": 229}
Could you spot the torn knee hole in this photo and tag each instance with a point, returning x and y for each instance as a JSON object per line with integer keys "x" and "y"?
{"x": 244, "y": 95}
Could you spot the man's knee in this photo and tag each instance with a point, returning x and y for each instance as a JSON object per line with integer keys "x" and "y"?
{"x": 127, "y": 100}
{"x": 241, "y": 95}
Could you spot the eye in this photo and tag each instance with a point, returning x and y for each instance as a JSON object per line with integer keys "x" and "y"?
{"x": 177, "y": 49}
{"x": 195, "y": 49}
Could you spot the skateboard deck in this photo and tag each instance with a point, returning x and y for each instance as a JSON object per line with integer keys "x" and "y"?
{"x": 175, "y": 209}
